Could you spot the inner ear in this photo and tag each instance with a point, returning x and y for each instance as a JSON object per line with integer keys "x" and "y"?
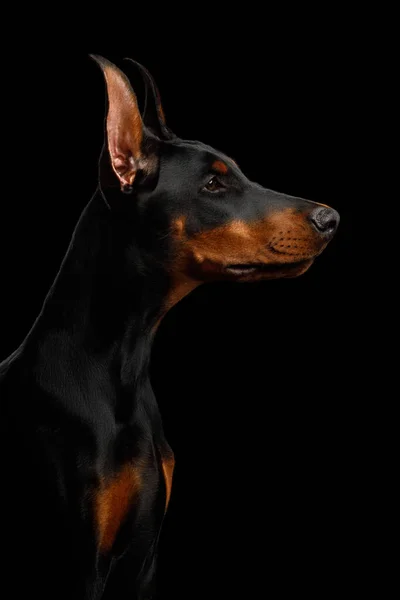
{"x": 126, "y": 135}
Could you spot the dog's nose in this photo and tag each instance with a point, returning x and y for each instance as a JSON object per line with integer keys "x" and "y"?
{"x": 325, "y": 220}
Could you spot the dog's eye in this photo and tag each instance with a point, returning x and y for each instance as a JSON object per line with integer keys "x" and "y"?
{"x": 214, "y": 185}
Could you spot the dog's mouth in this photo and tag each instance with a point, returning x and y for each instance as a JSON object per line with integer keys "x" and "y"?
{"x": 269, "y": 269}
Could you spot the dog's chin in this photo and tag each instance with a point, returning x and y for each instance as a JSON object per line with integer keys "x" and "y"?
{"x": 261, "y": 271}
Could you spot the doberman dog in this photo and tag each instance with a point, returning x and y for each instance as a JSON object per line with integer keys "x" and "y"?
{"x": 86, "y": 469}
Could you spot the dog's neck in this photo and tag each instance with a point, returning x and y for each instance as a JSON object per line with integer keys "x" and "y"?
{"x": 99, "y": 319}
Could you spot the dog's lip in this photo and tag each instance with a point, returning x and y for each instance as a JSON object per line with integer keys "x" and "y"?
{"x": 248, "y": 268}
{"x": 242, "y": 269}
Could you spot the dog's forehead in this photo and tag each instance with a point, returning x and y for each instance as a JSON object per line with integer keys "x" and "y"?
{"x": 196, "y": 155}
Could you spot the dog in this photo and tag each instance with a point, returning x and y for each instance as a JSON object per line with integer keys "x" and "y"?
{"x": 87, "y": 471}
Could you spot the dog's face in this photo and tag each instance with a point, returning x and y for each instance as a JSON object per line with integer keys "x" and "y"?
{"x": 227, "y": 227}
{"x": 219, "y": 225}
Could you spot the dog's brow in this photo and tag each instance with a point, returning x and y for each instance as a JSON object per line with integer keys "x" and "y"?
{"x": 220, "y": 167}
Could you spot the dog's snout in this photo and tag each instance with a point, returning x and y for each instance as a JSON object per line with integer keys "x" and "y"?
{"x": 325, "y": 220}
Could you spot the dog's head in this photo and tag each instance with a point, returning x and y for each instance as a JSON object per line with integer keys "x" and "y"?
{"x": 218, "y": 224}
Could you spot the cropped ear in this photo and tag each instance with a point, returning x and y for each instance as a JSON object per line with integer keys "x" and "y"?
{"x": 126, "y": 135}
{"x": 153, "y": 113}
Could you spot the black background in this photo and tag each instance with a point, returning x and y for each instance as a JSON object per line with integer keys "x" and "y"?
{"x": 254, "y": 381}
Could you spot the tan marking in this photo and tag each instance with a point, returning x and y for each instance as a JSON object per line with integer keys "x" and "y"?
{"x": 282, "y": 238}
{"x": 181, "y": 284}
{"x": 240, "y": 228}
{"x": 220, "y": 167}
{"x": 178, "y": 227}
{"x": 112, "y": 504}
{"x": 238, "y": 242}
{"x": 161, "y": 111}
{"x": 168, "y": 465}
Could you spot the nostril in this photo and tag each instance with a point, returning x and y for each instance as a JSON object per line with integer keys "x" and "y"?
{"x": 331, "y": 224}
{"x": 325, "y": 220}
